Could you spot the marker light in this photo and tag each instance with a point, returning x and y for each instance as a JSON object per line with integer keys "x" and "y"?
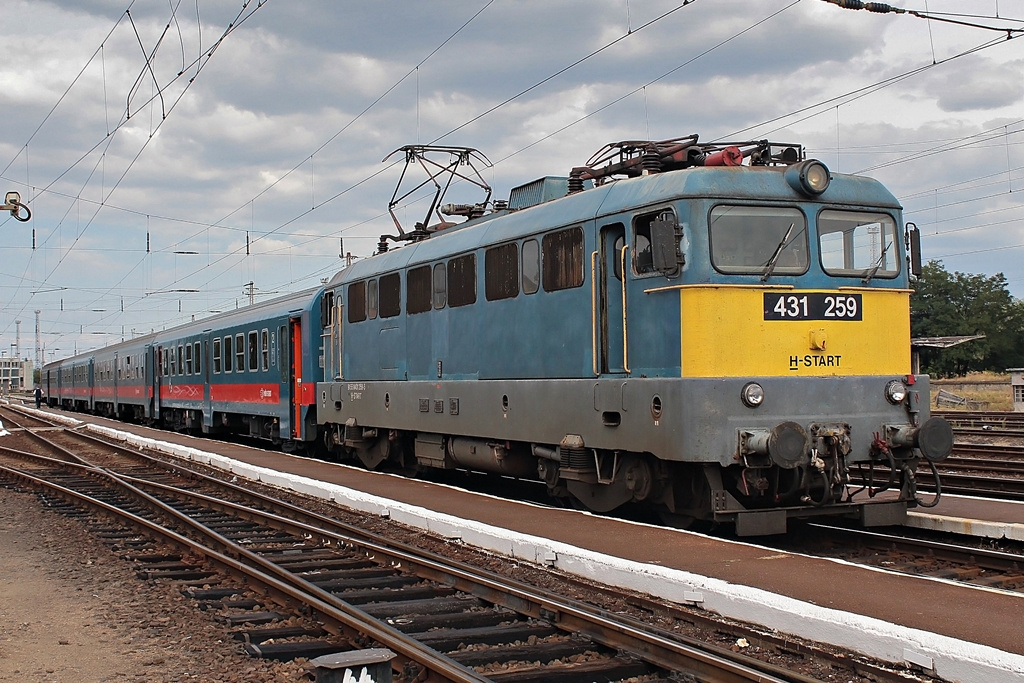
{"x": 810, "y": 177}
{"x": 752, "y": 394}
{"x": 895, "y": 392}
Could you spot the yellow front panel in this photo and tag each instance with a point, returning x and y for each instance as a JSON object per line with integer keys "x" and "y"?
{"x": 725, "y": 333}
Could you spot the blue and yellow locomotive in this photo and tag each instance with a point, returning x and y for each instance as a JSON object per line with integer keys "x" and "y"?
{"x": 715, "y": 332}
{"x": 710, "y": 332}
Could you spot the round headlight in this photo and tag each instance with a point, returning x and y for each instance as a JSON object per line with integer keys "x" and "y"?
{"x": 752, "y": 394}
{"x": 895, "y": 392}
{"x": 810, "y": 177}
{"x": 816, "y": 177}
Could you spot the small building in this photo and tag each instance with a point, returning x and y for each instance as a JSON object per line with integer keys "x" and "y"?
{"x": 1017, "y": 383}
{"x": 16, "y": 375}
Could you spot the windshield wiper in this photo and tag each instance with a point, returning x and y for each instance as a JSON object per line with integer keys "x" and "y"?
{"x": 870, "y": 273}
{"x": 770, "y": 266}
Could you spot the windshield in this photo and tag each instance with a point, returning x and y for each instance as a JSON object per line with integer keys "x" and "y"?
{"x": 858, "y": 244}
{"x": 758, "y": 240}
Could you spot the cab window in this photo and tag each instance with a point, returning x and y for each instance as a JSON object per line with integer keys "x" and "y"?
{"x": 758, "y": 240}
{"x": 858, "y": 244}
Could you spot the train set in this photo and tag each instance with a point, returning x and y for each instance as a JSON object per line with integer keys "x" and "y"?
{"x": 710, "y": 332}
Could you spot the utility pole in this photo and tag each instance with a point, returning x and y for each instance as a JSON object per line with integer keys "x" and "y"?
{"x": 38, "y": 345}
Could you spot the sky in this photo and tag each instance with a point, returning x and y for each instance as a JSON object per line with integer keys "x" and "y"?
{"x": 184, "y": 158}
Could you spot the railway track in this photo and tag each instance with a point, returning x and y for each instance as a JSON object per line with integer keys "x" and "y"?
{"x": 937, "y": 555}
{"x": 268, "y": 560}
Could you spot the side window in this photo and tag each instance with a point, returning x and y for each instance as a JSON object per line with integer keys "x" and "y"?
{"x": 164, "y": 367}
{"x": 531, "y": 266}
{"x": 501, "y": 272}
{"x": 390, "y": 295}
{"x": 327, "y": 308}
{"x": 264, "y": 350}
{"x": 357, "y": 302}
{"x": 239, "y": 353}
{"x": 372, "y": 299}
{"x": 188, "y": 359}
{"x": 440, "y": 285}
{"x": 174, "y": 363}
{"x": 228, "y": 354}
{"x": 418, "y": 290}
{"x": 197, "y": 347}
{"x": 216, "y": 356}
{"x": 181, "y": 360}
{"x": 254, "y": 357}
{"x": 643, "y": 258}
{"x": 563, "y": 259}
{"x": 462, "y": 280}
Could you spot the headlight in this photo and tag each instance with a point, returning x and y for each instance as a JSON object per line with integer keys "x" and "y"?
{"x": 810, "y": 177}
{"x": 752, "y": 394}
{"x": 895, "y": 392}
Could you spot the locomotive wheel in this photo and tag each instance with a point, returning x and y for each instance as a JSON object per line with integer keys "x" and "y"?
{"x": 373, "y": 455}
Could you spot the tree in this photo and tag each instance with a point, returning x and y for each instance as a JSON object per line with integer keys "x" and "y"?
{"x": 946, "y": 304}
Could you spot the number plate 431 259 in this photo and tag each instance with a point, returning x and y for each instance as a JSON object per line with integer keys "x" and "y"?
{"x": 812, "y": 306}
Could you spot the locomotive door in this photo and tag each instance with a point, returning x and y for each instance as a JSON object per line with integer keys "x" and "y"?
{"x": 610, "y": 301}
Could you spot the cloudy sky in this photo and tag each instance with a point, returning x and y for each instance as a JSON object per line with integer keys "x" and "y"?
{"x": 174, "y": 152}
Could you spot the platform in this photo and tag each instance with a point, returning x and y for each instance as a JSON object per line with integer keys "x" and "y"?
{"x": 957, "y": 632}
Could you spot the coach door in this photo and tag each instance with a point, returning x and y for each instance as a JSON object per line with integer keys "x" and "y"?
{"x": 158, "y": 373}
{"x": 609, "y": 299}
{"x": 295, "y": 374}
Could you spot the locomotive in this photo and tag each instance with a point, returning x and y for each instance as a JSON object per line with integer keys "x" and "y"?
{"x": 714, "y": 332}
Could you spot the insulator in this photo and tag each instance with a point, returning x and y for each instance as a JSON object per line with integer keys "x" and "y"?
{"x": 651, "y": 161}
{"x": 696, "y": 156}
{"x": 575, "y": 184}
{"x": 382, "y": 246}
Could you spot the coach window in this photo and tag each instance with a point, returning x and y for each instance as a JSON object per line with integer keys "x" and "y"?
{"x": 188, "y": 359}
{"x": 372, "y": 299}
{"x": 264, "y": 350}
{"x": 758, "y": 240}
{"x": 181, "y": 360}
{"x": 390, "y": 289}
{"x": 357, "y": 302}
{"x": 531, "y": 266}
{"x": 198, "y": 353}
{"x": 228, "y": 354}
{"x": 462, "y": 281}
{"x": 501, "y": 272}
{"x": 440, "y": 285}
{"x": 174, "y": 363}
{"x": 563, "y": 260}
{"x": 239, "y": 353}
{"x": 418, "y": 290}
{"x": 164, "y": 367}
{"x": 216, "y": 355}
{"x": 254, "y": 357}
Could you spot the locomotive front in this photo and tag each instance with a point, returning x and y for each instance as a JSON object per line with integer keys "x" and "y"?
{"x": 795, "y": 349}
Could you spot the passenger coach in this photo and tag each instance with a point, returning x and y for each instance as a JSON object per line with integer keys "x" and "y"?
{"x": 249, "y": 372}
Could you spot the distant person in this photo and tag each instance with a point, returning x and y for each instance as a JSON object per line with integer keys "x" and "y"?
{"x": 39, "y": 397}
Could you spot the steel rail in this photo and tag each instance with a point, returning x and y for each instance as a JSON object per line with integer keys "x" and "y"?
{"x": 617, "y": 633}
{"x": 982, "y": 557}
{"x": 256, "y": 569}
{"x": 620, "y": 633}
